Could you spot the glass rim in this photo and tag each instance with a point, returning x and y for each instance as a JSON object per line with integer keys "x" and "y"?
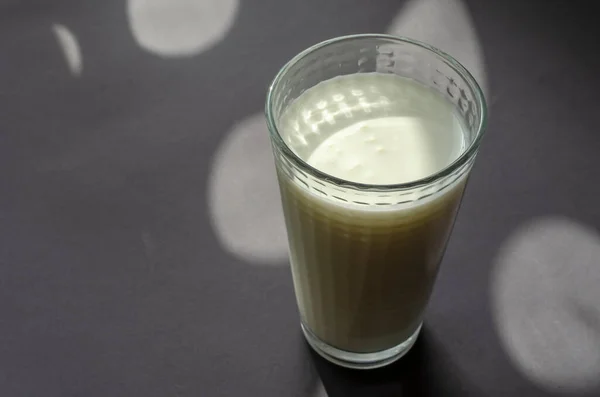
{"x": 464, "y": 157}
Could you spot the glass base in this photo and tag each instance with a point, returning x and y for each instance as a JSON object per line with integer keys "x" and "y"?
{"x": 359, "y": 360}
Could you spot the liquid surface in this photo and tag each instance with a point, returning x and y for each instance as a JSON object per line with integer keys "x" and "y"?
{"x": 374, "y": 129}
{"x": 363, "y": 272}
{"x": 387, "y": 150}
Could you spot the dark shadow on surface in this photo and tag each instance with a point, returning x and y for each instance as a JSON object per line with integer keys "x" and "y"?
{"x": 424, "y": 371}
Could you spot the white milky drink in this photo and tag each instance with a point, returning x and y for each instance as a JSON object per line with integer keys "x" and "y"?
{"x": 363, "y": 268}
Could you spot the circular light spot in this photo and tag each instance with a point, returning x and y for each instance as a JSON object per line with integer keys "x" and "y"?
{"x": 70, "y": 48}
{"x": 177, "y": 28}
{"x": 546, "y": 303}
{"x": 244, "y": 196}
{"x": 447, "y": 25}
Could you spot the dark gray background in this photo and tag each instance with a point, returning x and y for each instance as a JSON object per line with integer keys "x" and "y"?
{"x": 113, "y": 281}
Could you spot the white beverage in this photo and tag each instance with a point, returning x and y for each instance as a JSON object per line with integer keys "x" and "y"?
{"x": 364, "y": 265}
{"x": 387, "y": 150}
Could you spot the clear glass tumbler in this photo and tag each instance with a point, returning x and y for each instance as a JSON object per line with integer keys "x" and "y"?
{"x": 364, "y": 257}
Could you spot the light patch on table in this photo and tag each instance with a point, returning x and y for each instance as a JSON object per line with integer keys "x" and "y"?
{"x": 244, "y": 196}
{"x": 546, "y": 301}
{"x": 69, "y": 47}
{"x": 447, "y": 25}
{"x": 179, "y": 28}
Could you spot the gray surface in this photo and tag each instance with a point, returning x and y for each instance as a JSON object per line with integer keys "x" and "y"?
{"x": 114, "y": 283}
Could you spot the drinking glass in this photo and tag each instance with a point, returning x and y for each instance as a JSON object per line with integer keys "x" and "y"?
{"x": 364, "y": 257}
